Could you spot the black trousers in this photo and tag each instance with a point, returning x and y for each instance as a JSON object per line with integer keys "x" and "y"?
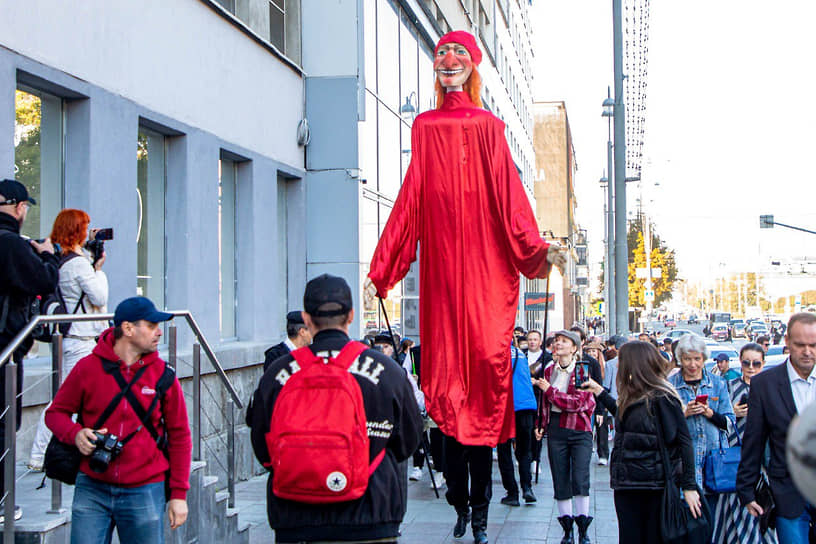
{"x": 602, "y": 437}
{"x": 638, "y": 516}
{"x": 462, "y": 461}
{"x": 524, "y": 440}
{"x": 437, "y": 449}
{"x": 569, "y": 453}
{"x": 18, "y": 360}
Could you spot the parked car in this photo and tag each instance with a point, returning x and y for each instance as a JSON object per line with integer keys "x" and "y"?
{"x": 720, "y": 332}
{"x": 775, "y": 350}
{"x": 670, "y": 323}
{"x": 692, "y": 320}
{"x": 738, "y": 330}
{"x": 757, "y": 329}
{"x": 677, "y": 333}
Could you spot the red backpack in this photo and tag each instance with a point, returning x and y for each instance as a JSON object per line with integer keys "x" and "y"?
{"x": 318, "y": 438}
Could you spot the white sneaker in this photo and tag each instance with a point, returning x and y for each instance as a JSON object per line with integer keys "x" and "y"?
{"x": 603, "y": 462}
{"x": 439, "y": 478}
{"x": 416, "y": 474}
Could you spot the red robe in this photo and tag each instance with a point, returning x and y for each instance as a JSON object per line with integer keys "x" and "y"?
{"x": 462, "y": 199}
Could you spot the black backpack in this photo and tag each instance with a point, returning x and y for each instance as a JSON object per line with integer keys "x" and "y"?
{"x": 51, "y": 305}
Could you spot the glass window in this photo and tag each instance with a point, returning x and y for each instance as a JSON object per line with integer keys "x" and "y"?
{"x": 283, "y": 247}
{"x": 151, "y": 173}
{"x": 227, "y": 177}
{"x": 388, "y": 56}
{"x": 277, "y": 23}
{"x": 390, "y": 168}
{"x": 370, "y": 32}
{"x": 408, "y": 62}
{"x": 38, "y": 156}
{"x": 367, "y": 135}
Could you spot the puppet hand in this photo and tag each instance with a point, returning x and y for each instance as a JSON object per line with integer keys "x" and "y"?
{"x": 369, "y": 295}
{"x": 557, "y": 255}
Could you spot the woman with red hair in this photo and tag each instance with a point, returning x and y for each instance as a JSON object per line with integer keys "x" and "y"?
{"x": 84, "y": 288}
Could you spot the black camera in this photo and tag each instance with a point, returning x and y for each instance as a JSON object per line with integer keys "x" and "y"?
{"x": 96, "y": 247}
{"x": 108, "y": 448}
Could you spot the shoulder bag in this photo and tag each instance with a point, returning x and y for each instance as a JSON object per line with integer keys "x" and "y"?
{"x": 677, "y": 525}
{"x": 720, "y": 467}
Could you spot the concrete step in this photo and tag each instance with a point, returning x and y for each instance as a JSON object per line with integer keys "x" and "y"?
{"x": 209, "y": 520}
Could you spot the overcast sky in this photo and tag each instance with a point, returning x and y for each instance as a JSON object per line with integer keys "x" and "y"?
{"x": 730, "y": 122}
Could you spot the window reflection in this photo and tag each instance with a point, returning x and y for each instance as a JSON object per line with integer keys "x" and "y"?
{"x": 38, "y": 156}
{"x": 150, "y": 206}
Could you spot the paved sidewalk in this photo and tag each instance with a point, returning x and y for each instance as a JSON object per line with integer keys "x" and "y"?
{"x": 430, "y": 520}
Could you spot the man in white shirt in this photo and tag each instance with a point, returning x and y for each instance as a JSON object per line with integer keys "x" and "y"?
{"x": 536, "y": 355}
{"x": 776, "y": 396}
{"x": 297, "y": 336}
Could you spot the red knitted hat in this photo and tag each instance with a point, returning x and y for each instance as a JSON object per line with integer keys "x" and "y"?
{"x": 464, "y": 38}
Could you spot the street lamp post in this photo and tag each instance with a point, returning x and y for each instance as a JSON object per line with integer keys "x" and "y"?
{"x": 621, "y": 249}
{"x": 609, "y": 269}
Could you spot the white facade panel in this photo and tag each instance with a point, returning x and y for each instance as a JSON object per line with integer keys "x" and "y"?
{"x": 161, "y": 54}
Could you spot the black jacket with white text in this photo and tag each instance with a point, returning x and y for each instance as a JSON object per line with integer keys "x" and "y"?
{"x": 389, "y": 402}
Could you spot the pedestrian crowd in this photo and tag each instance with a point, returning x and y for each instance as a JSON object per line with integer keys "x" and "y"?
{"x": 708, "y": 445}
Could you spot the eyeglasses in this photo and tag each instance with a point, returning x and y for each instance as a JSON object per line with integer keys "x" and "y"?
{"x": 755, "y": 364}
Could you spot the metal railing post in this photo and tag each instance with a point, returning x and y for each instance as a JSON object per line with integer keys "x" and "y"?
{"x": 171, "y": 345}
{"x": 56, "y": 380}
{"x": 231, "y": 452}
{"x": 196, "y": 402}
{"x": 11, "y": 446}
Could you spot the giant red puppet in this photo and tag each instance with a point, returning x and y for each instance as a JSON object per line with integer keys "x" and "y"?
{"x": 463, "y": 202}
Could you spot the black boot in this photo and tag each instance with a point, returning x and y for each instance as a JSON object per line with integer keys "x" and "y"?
{"x": 566, "y": 524}
{"x": 583, "y": 524}
{"x": 462, "y": 519}
{"x": 479, "y": 525}
{"x": 529, "y": 496}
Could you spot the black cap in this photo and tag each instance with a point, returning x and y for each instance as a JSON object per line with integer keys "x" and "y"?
{"x": 136, "y": 308}
{"x": 382, "y": 337}
{"x": 14, "y": 192}
{"x": 326, "y": 296}
{"x": 294, "y": 318}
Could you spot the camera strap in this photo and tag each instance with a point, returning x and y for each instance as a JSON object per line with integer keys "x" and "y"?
{"x": 164, "y": 383}
{"x": 125, "y": 388}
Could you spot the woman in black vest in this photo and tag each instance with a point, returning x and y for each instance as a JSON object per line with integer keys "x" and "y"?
{"x": 636, "y": 467}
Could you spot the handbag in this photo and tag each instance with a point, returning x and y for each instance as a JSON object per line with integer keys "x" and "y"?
{"x": 677, "y": 525}
{"x": 764, "y": 498}
{"x": 720, "y": 468}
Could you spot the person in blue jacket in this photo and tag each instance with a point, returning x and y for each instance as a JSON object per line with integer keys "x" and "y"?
{"x": 706, "y": 403}
{"x": 525, "y": 406}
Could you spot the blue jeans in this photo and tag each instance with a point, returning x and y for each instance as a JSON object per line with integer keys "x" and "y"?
{"x": 136, "y": 512}
{"x": 795, "y": 530}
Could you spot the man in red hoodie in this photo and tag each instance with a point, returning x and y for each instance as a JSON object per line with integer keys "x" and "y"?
{"x": 129, "y": 491}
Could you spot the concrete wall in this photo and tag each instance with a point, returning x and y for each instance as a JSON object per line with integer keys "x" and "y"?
{"x": 177, "y": 57}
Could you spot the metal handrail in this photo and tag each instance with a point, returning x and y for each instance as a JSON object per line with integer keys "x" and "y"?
{"x": 9, "y": 459}
{"x": 5, "y": 355}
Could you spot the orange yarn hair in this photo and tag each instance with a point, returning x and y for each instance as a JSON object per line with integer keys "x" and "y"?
{"x": 70, "y": 229}
{"x": 473, "y": 88}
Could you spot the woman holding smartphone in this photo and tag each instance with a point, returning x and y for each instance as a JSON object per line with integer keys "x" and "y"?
{"x": 647, "y": 405}
{"x": 706, "y": 403}
{"x": 733, "y": 523}
{"x": 566, "y": 413}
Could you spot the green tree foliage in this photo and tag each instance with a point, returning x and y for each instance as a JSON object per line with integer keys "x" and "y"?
{"x": 661, "y": 257}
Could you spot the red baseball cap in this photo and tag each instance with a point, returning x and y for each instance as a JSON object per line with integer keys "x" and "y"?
{"x": 464, "y": 38}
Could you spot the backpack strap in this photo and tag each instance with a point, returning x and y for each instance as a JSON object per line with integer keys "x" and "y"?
{"x": 348, "y": 354}
{"x": 305, "y": 356}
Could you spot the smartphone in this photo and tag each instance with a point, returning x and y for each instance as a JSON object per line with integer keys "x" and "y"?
{"x": 743, "y": 399}
{"x": 104, "y": 234}
{"x": 581, "y": 373}
{"x": 702, "y": 399}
